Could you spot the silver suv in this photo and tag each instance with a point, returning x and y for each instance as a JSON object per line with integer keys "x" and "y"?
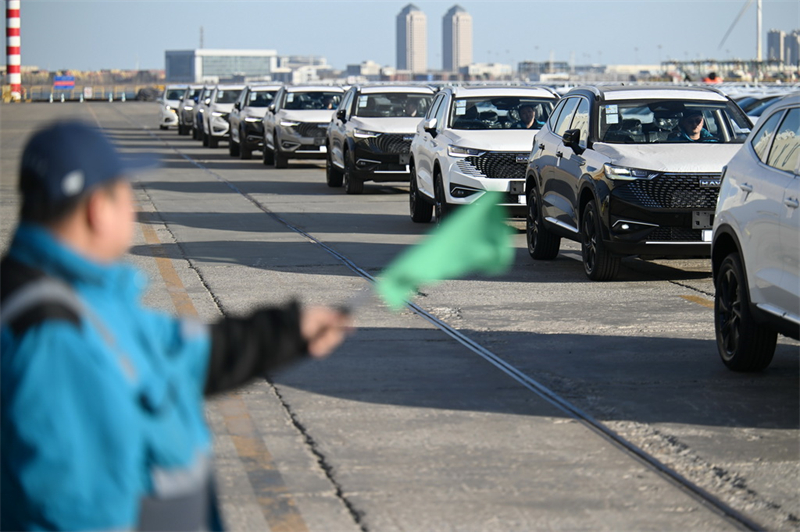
{"x": 756, "y": 247}
{"x": 296, "y": 122}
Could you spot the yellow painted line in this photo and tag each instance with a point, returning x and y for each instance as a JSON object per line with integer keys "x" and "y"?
{"x": 700, "y": 301}
{"x": 273, "y": 497}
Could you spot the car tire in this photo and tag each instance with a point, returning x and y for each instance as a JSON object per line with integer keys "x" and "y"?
{"x": 195, "y": 134}
{"x": 181, "y": 129}
{"x": 352, "y": 183}
{"x": 204, "y": 137}
{"x": 213, "y": 142}
{"x": 267, "y": 156}
{"x": 542, "y": 243}
{"x": 441, "y": 208}
{"x": 598, "y": 263}
{"x": 163, "y": 127}
{"x": 245, "y": 152}
{"x": 233, "y": 147}
{"x": 333, "y": 176}
{"x": 743, "y": 344}
{"x": 281, "y": 160}
{"x": 419, "y": 208}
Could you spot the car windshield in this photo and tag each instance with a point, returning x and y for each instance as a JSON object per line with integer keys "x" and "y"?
{"x": 260, "y": 98}
{"x": 311, "y": 100}
{"x": 500, "y": 112}
{"x": 671, "y": 121}
{"x": 393, "y": 105}
{"x": 227, "y": 95}
{"x": 192, "y": 94}
{"x": 174, "y": 94}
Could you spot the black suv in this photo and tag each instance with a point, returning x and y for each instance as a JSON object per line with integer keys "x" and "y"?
{"x": 630, "y": 171}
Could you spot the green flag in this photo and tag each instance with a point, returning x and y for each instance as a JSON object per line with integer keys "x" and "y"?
{"x": 475, "y": 238}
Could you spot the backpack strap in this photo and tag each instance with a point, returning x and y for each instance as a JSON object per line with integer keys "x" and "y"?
{"x": 30, "y": 297}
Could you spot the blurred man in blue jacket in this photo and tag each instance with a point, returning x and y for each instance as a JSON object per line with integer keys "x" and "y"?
{"x": 102, "y": 398}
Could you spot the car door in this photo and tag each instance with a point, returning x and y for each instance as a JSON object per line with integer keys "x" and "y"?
{"x": 557, "y": 203}
{"x": 339, "y": 128}
{"x": 784, "y": 158}
{"x": 762, "y": 207}
{"x": 235, "y": 117}
{"x": 567, "y": 172}
{"x": 424, "y": 145}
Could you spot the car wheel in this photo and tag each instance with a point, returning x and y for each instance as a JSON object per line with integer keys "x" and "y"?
{"x": 163, "y": 127}
{"x": 743, "y": 344}
{"x": 542, "y": 244}
{"x": 267, "y": 156}
{"x": 213, "y": 142}
{"x": 245, "y": 152}
{"x": 204, "y": 137}
{"x": 281, "y": 160}
{"x": 598, "y": 262}
{"x": 333, "y": 176}
{"x": 195, "y": 134}
{"x": 181, "y": 129}
{"x": 420, "y": 209}
{"x": 233, "y": 147}
{"x": 441, "y": 207}
{"x": 352, "y": 184}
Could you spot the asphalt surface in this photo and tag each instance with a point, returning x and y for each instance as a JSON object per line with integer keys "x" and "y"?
{"x": 405, "y": 428}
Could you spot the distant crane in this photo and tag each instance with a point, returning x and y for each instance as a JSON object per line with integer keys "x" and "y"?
{"x": 758, "y": 27}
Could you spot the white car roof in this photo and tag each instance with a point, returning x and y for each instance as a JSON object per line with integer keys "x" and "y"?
{"x": 314, "y": 88}
{"x": 230, "y": 87}
{"x": 396, "y": 89}
{"x": 535, "y": 92}
{"x": 265, "y": 87}
{"x": 661, "y": 93}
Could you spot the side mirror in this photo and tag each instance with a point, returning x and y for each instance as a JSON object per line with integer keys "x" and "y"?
{"x": 237, "y": 106}
{"x": 207, "y": 101}
{"x": 340, "y": 114}
{"x": 430, "y": 126}
{"x": 572, "y": 139}
{"x": 271, "y": 108}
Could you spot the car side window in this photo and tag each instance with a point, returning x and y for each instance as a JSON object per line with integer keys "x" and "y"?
{"x": 565, "y": 118}
{"x": 440, "y": 113}
{"x": 785, "y": 149}
{"x": 762, "y": 137}
{"x": 555, "y": 114}
{"x": 581, "y": 121}
{"x": 346, "y": 101}
{"x": 435, "y": 107}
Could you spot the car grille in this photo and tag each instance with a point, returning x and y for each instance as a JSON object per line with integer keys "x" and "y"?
{"x": 390, "y": 143}
{"x": 675, "y": 234}
{"x": 309, "y": 129}
{"x": 495, "y": 165}
{"x": 671, "y": 191}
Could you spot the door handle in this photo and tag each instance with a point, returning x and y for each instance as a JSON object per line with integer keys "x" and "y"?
{"x": 746, "y": 187}
{"x": 792, "y": 203}
{"x": 559, "y": 154}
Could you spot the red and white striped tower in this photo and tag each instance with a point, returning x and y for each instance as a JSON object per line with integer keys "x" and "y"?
{"x": 12, "y": 49}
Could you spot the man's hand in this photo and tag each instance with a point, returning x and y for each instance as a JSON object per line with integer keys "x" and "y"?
{"x": 324, "y": 329}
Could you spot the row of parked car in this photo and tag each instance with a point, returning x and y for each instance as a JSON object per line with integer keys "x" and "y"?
{"x": 648, "y": 171}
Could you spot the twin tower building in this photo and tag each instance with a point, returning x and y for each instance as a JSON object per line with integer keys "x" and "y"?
{"x": 412, "y": 39}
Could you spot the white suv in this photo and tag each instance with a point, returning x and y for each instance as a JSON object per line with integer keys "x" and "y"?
{"x": 473, "y": 140}
{"x": 215, "y": 118}
{"x": 756, "y": 243}
{"x": 170, "y": 101}
{"x": 296, "y": 122}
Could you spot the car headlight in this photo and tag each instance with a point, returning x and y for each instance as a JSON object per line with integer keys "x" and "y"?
{"x": 364, "y": 134}
{"x": 169, "y": 108}
{"x": 622, "y": 173}
{"x": 289, "y": 123}
{"x": 252, "y": 119}
{"x": 458, "y": 151}
{"x": 187, "y": 108}
{"x": 217, "y": 113}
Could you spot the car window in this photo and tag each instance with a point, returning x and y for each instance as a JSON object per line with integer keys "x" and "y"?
{"x": 312, "y": 100}
{"x": 762, "y": 138}
{"x": 260, "y": 98}
{"x": 437, "y": 103}
{"x": 581, "y": 121}
{"x": 392, "y": 104}
{"x": 555, "y": 114}
{"x": 440, "y": 114}
{"x": 346, "y": 101}
{"x": 227, "y": 95}
{"x": 499, "y": 112}
{"x": 785, "y": 149}
{"x": 174, "y": 94}
{"x": 565, "y": 118}
{"x": 671, "y": 121}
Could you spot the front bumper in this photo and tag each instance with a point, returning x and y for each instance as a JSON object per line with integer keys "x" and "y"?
{"x": 383, "y": 158}
{"x": 493, "y": 171}
{"x": 169, "y": 118}
{"x": 219, "y": 126}
{"x": 253, "y": 133}
{"x": 304, "y": 141}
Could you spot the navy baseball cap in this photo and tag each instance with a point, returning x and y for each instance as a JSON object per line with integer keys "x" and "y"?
{"x": 67, "y": 159}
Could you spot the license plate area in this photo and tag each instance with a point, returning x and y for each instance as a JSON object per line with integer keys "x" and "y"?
{"x": 404, "y": 158}
{"x": 702, "y": 219}
{"x": 517, "y": 188}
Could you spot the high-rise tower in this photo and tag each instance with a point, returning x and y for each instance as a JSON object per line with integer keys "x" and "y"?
{"x": 412, "y": 39}
{"x": 456, "y": 39}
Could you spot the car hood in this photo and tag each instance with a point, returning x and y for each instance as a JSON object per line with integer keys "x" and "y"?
{"x": 256, "y": 112}
{"x": 387, "y": 125}
{"x": 308, "y": 115}
{"x": 678, "y": 157}
{"x": 517, "y": 140}
{"x": 221, "y": 107}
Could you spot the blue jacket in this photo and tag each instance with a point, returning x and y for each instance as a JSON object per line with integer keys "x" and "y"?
{"x": 91, "y": 412}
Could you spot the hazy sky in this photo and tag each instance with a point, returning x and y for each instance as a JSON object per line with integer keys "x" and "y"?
{"x": 95, "y": 34}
